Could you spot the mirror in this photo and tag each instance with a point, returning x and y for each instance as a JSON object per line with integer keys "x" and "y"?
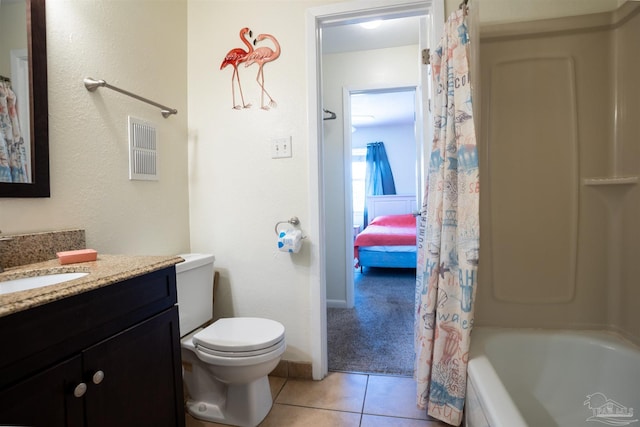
{"x": 37, "y": 159}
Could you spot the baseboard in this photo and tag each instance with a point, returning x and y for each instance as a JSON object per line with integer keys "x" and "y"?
{"x": 336, "y": 303}
{"x": 291, "y": 369}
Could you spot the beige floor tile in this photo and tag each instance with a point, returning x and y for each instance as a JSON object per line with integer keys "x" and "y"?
{"x": 276, "y": 384}
{"x": 392, "y": 396}
{"x": 297, "y": 416}
{"x": 338, "y": 391}
{"x": 380, "y": 421}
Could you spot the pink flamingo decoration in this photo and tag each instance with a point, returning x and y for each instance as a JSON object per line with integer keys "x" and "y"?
{"x": 261, "y": 56}
{"x": 235, "y": 57}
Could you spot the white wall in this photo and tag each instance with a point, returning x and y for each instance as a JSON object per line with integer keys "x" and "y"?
{"x": 88, "y": 131}
{"x": 237, "y": 191}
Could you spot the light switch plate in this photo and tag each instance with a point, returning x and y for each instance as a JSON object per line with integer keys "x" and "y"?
{"x": 280, "y": 148}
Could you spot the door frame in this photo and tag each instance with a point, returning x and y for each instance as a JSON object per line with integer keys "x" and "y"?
{"x": 316, "y": 18}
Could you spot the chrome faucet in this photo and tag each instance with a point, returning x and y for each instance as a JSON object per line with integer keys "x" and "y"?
{"x": 4, "y": 239}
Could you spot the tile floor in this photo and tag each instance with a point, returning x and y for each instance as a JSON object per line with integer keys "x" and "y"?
{"x": 341, "y": 400}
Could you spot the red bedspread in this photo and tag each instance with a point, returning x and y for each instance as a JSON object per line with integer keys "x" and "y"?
{"x": 388, "y": 230}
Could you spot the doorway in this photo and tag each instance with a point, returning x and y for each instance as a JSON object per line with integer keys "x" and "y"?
{"x": 322, "y": 211}
{"x": 375, "y": 83}
{"x": 373, "y": 333}
{"x": 387, "y": 115}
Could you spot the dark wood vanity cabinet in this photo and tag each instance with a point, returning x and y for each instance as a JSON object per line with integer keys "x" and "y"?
{"x": 45, "y": 399}
{"x": 107, "y": 357}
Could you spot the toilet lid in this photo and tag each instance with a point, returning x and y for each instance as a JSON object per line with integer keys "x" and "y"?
{"x": 240, "y": 334}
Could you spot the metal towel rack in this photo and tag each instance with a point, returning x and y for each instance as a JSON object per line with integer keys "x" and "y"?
{"x": 92, "y": 84}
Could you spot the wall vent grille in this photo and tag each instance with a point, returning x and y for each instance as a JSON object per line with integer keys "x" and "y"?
{"x": 143, "y": 153}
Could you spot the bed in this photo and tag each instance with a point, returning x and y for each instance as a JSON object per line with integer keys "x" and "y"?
{"x": 389, "y": 241}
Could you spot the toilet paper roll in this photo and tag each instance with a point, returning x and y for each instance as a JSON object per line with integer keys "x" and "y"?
{"x": 290, "y": 241}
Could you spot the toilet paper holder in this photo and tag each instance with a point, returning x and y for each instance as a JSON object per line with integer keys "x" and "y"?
{"x": 293, "y": 221}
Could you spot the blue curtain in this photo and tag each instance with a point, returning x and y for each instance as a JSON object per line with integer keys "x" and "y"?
{"x": 378, "y": 178}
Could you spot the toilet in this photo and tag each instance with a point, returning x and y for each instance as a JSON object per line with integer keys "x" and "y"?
{"x": 225, "y": 365}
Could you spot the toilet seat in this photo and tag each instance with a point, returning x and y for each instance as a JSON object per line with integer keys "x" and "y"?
{"x": 240, "y": 353}
{"x": 240, "y": 337}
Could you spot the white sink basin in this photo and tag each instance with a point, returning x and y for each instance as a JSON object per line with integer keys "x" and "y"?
{"x": 17, "y": 285}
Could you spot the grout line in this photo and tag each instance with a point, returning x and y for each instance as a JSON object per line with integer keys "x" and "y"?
{"x": 361, "y": 412}
{"x": 274, "y": 398}
{"x": 318, "y": 408}
{"x": 366, "y": 388}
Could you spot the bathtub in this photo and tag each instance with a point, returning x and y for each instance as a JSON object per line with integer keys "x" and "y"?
{"x": 544, "y": 378}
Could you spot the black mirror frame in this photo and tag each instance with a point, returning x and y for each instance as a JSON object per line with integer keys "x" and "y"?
{"x": 39, "y": 107}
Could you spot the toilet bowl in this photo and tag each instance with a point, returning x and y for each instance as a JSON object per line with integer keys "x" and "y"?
{"x": 225, "y": 365}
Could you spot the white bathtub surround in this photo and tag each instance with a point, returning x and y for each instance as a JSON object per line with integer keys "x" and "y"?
{"x": 527, "y": 377}
{"x": 448, "y": 257}
{"x": 574, "y": 265}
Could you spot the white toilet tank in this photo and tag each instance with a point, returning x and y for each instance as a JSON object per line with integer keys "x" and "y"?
{"x": 194, "y": 279}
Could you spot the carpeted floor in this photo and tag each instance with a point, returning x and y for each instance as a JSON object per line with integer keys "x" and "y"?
{"x": 376, "y": 336}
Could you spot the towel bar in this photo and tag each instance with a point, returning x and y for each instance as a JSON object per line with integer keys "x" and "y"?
{"x": 93, "y": 84}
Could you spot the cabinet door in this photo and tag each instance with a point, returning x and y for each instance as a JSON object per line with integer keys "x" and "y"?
{"x": 142, "y": 377}
{"x": 46, "y": 399}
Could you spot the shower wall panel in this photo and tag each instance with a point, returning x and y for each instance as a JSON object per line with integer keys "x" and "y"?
{"x": 547, "y": 123}
{"x": 627, "y": 150}
{"x": 533, "y": 177}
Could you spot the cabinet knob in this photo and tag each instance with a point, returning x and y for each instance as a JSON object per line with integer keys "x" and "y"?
{"x": 80, "y": 390}
{"x": 98, "y": 377}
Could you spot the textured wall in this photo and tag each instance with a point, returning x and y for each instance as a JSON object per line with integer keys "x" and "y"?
{"x": 88, "y": 143}
{"x": 238, "y": 192}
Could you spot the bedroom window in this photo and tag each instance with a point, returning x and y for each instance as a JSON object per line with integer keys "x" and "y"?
{"x": 358, "y": 171}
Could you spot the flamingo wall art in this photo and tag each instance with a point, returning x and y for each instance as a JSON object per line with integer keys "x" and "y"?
{"x": 255, "y": 55}
{"x": 261, "y": 56}
{"x": 235, "y": 57}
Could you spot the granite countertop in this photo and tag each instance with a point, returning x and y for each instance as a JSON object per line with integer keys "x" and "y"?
{"x": 106, "y": 270}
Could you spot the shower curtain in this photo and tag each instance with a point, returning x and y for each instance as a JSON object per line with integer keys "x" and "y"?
{"x": 378, "y": 175}
{"x": 13, "y": 159}
{"x": 448, "y": 234}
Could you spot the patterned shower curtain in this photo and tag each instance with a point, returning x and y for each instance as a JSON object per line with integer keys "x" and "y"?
{"x": 448, "y": 235}
{"x": 13, "y": 158}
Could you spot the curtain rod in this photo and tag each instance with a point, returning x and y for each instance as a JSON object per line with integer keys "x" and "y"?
{"x": 92, "y": 84}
